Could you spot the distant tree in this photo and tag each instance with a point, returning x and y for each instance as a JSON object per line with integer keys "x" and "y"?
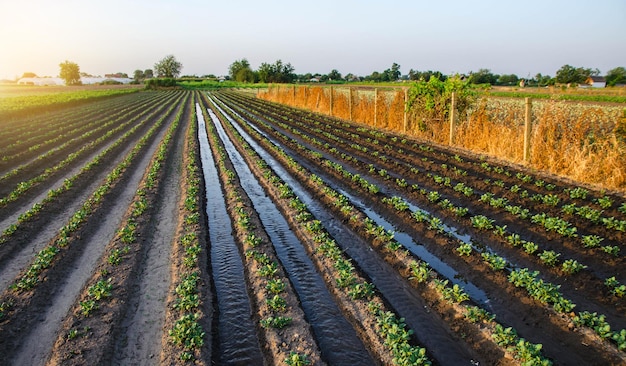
{"x": 138, "y": 75}
{"x": 276, "y": 73}
{"x": 392, "y": 74}
{"x": 240, "y": 71}
{"x": 616, "y": 76}
{"x": 334, "y": 75}
{"x": 148, "y": 74}
{"x": 29, "y": 75}
{"x": 483, "y": 76}
{"x": 544, "y": 80}
{"x": 426, "y": 75}
{"x": 351, "y": 77}
{"x": 70, "y": 73}
{"x": 168, "y": 67}
{"x": 375, "y": 76}
{"x": 573, "y": 75}
{"x": 305, "y": 78}
{"x": 508, "y": 80}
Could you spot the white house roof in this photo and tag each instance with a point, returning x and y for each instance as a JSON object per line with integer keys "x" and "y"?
{"x": 59, "y": 81}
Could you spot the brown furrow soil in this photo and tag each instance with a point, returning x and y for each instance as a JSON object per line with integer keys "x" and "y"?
{"x": 356, "y": 311}
{"x": 277, "y": 343}
{"x": 55, "y": 212}
{"x": 98, "y": 332}
{"x": 26, "y": 307}
{"x": 43, "y": 135}
{"x": 36, "y": 167}
{"x": 476, "y": 271}
{"x": 170, "y": 354}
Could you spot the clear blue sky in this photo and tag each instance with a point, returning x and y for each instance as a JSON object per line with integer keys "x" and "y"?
{"x": 352, "y": 36}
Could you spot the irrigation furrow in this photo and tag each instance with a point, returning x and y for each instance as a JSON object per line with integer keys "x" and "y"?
{"x": 55, "y": 209}
{"x": 142, "y": 323}
{"x": 573, "y": 288}
{"x": 68, "y": 127}
{"x": 502, "y": 309}
{"x": 16, "y": 187}
{"x": 27, "y": 163}
{"x": 45, "y": 123}
{"x": 323, "y": 314}
{"x": 282, "y": 322}
{"x": 68, "y": 273}
{"x": 440, "y": 341}
{"x": 237, "y": 338}
{"x": 598, "y": 266}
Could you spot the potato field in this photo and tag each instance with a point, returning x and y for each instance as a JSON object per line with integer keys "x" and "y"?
{"x": 216, "y": 228}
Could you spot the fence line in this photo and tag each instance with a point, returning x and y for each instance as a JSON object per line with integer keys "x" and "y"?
{"x": 575, "y": 140}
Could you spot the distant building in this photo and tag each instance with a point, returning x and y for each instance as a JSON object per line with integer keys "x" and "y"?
{"x": 59, "y": 81}
{"x": 596, "y": 82}
{"x": 41, "y": 81}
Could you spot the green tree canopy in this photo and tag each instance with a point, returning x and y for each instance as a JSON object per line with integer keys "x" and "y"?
{"x": 392, "y": 74}
{"x": 616, "y": 76}
{"x": 70, "y": 73}
{"x": 508, "y": 80}
{"x": 430, "y": 100}
{"x": 168, "y": 67}
{"x": 426, "y": 75}
{"x": 138, "y": 75}
{"x": 334, "y": 75}
{"x": 573, "y": 75}
{"x": 29, "y": 75}
{"x": 240, "y": 71}
{"x": 148, "y": 74}
{"x": 483, "y": 76}
{"x": 276, "y": 73}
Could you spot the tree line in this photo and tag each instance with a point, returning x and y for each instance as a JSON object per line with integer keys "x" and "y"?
{"x": 280, "y": 72}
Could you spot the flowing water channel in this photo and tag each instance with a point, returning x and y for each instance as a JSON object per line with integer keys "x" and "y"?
{"x": 477, "y": 295}
{"x": 337, "y": 339}
{"x": 237, "y": 339}
{"x": 404, "y": 299}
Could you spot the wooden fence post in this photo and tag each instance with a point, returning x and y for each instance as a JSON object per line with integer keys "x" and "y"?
{"x": 294, "y": 94}
{"x": 452, "y": 117}
{"x": 405, "y": 120}
{"x": 375, "y": 106}
{"x": 331, "y": 101}
{"x": 350, "y": 101}
{"x": 527, "y": 129}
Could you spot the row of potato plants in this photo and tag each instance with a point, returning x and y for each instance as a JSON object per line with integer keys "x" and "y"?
{"x": 23, "y": 127}
{"x": 549, "y": 223}
{"x": 66, "y": 142}
{"x": 116, "y": 267}
{"x": 382, "y": 139}
{"x": 25, "y": 186}
{"x": 537, "y": 288}
{"x": 64, "y": 127}
{"x": 44, "y": 259}
{"x": 575, "y": 195}
{"x": 277, "y": 312}
{"x": 433, "y": 196}
{"x": 187, "y": 333}
{"x": 419, "y": 271}
{"x": 392, "y": 330}
{"x": 55, "y": 193}
{"x": 19, "y": 105}
{"x": 547, "y": 257}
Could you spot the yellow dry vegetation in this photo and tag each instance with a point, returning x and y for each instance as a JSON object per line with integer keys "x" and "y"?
{"x": 582, "y": 141}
